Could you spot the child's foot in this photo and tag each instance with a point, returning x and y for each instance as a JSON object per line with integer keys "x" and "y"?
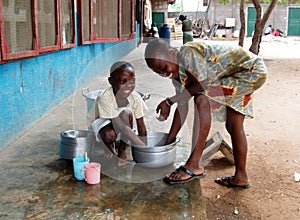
{"x": 228, "y": 181}
{"x": 123, "y": 158}
{"x": 122, "y": 155}
{"x": 122, "y": 162}
{"x": 112, "y": 152}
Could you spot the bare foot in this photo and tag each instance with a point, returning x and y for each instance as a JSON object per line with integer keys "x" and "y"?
{"x": 122, "y": 154}
{"x": 122, "y": 162}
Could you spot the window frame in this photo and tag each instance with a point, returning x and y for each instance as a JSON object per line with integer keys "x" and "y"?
{"x": 36, "y": 50}
{"x": 57, "y": 29}
{"x": 92, "y": 35}
{"x": 5, "y": 54}
{"x": 70, "y": 45}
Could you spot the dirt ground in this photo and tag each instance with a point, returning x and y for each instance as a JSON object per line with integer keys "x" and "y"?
{"x": 273, "y": 145}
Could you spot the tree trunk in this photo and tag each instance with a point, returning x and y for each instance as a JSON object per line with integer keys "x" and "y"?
{"x": 258, "y": 29}
{"x": 260, "y": 24}
{"x": 243, "y": 24}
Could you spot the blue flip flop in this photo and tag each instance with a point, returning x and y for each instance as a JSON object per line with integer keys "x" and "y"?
{"x": 187, "y": 171}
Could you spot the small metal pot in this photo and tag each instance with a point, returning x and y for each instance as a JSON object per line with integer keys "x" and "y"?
{"x": 156, "y": 154}
{"x": 75, "y": 143}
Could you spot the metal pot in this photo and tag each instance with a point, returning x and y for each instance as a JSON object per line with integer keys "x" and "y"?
{"x": 75, "y": 143}
{"x": 90, "y": 97}
{"x": 155, "y": 155}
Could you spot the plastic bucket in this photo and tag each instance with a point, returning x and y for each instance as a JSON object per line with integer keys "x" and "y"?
{"x": 165, "y": 32}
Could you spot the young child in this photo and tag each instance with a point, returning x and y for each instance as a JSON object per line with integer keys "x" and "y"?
{"x": 218, "y": 77}
{"x": 115, "y": 109}
{"x": 187, "y": 29}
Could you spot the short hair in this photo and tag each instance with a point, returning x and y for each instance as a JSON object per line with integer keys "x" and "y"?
{"x": 182, "y": 17}
{"x": 156, "y": 47}
{"x": 119, "y": 65}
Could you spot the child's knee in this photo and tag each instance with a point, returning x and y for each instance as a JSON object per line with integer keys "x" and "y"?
{"x": 229, "y": 127}
{"x": 127, "y": 116}
{"x": 108, "y": 135}
{"x": 234, "y": 128}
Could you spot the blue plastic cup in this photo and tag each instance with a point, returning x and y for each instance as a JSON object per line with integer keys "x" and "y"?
{"x": 78, "y": 164}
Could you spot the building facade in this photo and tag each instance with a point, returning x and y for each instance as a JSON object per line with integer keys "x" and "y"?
{"x": 51, "y": 49}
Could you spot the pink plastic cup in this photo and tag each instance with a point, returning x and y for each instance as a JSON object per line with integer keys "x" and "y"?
{"x": 92, "y": 172}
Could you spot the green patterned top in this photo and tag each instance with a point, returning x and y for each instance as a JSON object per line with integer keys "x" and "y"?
{"x": 231, "y": 75}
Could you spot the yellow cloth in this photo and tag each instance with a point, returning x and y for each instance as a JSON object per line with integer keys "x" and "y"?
{"x": 106, "y": 105}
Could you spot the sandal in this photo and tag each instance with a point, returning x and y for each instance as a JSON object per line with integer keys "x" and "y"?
{"x": 226, "y": 181}
{"x": 187, "y": 171}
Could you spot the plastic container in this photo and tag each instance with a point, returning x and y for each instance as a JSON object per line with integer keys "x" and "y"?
{"x": 165, "y": 32}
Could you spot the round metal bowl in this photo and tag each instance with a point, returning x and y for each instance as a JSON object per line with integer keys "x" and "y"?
{"x": 75, "y": 143}
{"x": 156, "y": 154}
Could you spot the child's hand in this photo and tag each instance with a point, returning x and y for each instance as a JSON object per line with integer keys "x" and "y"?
{"x": 160, "y": 118}
{"x": 163, "y": 110}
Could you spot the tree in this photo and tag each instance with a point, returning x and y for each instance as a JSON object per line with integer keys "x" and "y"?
{"x": 259, "y": 23}
{"x": 243, "y": 24}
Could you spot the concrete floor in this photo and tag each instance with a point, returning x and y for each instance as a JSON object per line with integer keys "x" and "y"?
{"x": 36, "y": 183}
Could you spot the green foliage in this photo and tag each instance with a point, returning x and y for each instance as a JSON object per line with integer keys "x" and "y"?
{"x": 176, "y": 7}
{"x": 266, "y": 2}
{"x": 224, "y": 2}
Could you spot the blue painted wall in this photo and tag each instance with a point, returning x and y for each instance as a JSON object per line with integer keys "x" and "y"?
{"x": 31, "y": 88}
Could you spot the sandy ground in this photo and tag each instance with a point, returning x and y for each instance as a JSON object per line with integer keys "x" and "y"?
{"x": 273, "y": 145}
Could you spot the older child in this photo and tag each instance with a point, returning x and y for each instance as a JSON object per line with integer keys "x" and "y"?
{"x": 219, "y": 78}
{"x": 115, "y": 109}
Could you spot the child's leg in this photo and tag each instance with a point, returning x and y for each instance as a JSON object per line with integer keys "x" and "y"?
{"x": 127, "y": 117}
{"x": 122, "y": 152}
{"x": 201, "y": 127}
{"x": 108, "y": 136}
{"x": 235, "y": 127}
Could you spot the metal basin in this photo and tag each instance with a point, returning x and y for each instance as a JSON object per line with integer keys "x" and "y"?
{"x": 75, "y": 143}
{"x": 156, "y": 154}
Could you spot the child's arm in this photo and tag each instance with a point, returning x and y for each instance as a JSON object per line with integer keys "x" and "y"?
{"x": 191, "y": 89}
{"x": 178, "y": 120}
{"x": 142, "y": 131}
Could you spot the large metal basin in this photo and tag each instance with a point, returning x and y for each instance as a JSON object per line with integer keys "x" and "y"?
{"x": 156, "y": 154}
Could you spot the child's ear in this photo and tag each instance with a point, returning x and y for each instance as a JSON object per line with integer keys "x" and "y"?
{"x": 110, "y": 80}
{"x": 172, "y": 52}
